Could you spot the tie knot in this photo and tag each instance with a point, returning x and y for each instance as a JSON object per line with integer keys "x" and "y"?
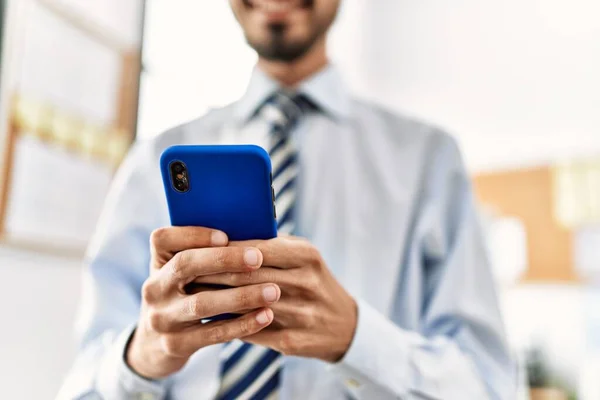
{"x": 285, "y": 109}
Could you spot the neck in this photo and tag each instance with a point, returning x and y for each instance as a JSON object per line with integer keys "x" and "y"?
{"x": 289, "y": 74}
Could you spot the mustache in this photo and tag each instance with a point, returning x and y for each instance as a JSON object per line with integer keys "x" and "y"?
{"x": 303, "y": 3}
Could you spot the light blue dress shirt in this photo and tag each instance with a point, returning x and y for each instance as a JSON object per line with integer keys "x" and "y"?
{"x": 387, "y": 202}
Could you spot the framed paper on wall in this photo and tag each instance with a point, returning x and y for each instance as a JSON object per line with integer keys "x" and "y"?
{"x": 69, "y": 119}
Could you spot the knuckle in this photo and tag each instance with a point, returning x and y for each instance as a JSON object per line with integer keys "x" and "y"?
{"x": 271, "y": 275}
{"x": 178, "y": 264}
{"x": 286, "y": 343}
{"x": 217, "y": 334}
{"x": 267, "y": 247}
{"x": 244, "y": 298}
{"x": 192, "y": 306}
{"x": 149, "y": 291}
{"x": 200, "y": 306}
{"x": 234, "y": 278}
{"x": 310, "y": 282}
{"x": 158, "y": 236}
{"x": 314, "y": 282}
{"x": 314, "y": 257}
{"x": 155, "y": 320}
{"x": 245, "y": 327}
{"x": 309, "y": 316}
{"x": 172, "y": 345}
{"x": 221, "y": 257}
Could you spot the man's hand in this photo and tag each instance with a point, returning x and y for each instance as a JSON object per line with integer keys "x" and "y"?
{"x": 315, "y": 316}
{"x": 169, "y": 330}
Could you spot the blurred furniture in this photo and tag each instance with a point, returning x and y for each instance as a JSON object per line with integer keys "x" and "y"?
{"x": 559, "y": 206}
{"x": 527, "y": 194}
{"x": 547, "y": 394}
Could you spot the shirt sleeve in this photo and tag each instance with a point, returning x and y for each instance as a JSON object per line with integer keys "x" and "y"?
{"x": 116, "y": 265}
{"x": 459, "y": 349}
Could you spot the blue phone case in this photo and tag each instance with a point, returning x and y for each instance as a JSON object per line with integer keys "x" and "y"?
{"x": 229, "y": 189}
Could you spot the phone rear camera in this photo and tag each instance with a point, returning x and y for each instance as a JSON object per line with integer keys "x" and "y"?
{"x": 179, "y": 176}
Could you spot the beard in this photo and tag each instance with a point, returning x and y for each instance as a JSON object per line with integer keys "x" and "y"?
{"x": 277, "y": 48}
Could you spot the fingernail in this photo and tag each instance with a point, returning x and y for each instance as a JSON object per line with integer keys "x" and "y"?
{"x": 270, "y": 293}
{"x": 251, "y": 257}
{"x": 263, "y": 317}
{"x": 218, "y": 238}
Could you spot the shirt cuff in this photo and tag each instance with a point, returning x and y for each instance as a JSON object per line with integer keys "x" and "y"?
{"x": 377, "y": 363}
{"x": 115, "y": 380}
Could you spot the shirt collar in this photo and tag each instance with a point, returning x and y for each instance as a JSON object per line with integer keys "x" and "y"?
{"x": 325, "y": 88}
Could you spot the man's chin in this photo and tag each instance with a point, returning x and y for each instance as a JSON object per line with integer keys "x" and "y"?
{"x": 277, "y": 46}
{"x": 288, "y": 53}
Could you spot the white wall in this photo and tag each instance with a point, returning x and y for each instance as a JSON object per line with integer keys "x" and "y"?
{"x": 38, "y": 299}
{"x": 516, "y": 80}
{"x": 195, "y": 58}
{"x": 552, "y": 317}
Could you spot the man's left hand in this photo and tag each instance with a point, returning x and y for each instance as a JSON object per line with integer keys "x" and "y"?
{"x": 315, "y": 317}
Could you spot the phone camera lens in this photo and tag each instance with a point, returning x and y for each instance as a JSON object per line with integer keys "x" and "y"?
{"x": 179, "y": 176}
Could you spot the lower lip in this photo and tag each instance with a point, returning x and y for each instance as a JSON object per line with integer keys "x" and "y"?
{"x": 274, "y": 16}
{"x": 277, "y": 15}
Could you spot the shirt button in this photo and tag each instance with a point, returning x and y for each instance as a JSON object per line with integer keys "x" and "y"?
{"x": 145, "y": 396}
{"x": 352, "y": 383}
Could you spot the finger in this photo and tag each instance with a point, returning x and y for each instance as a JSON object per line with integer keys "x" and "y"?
{"x": 187, "y": 265}
{"x": 208, "y": 304}
{"x": 177, "y": 238}
{"x": 283, "y": 252}
{"x": 193, "y": 288}
{"x": 295, "y": 313}
{"x": 185, "y": 343}
{"x": 254, "y": 243}
{"x": 166, "y": 241}
{"x": 278, "y": 276}
{"x": 269, "y": 337}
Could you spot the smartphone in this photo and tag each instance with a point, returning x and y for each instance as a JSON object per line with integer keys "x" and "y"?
{"x": 225, "y": 187}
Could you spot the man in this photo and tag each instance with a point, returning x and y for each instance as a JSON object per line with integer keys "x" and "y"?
{"x": 389, "y": 296}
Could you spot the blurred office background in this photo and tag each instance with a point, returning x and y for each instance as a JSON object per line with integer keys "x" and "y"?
{"x": 516, "y": 81}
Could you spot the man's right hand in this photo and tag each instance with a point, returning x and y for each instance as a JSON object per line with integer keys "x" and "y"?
{"x": 169, "y": 330}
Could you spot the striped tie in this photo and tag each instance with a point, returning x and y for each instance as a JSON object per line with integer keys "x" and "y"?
{"x": 249, "y": 371}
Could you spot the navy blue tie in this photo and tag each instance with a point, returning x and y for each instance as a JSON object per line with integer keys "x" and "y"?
{"x": 249, "y": 371}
